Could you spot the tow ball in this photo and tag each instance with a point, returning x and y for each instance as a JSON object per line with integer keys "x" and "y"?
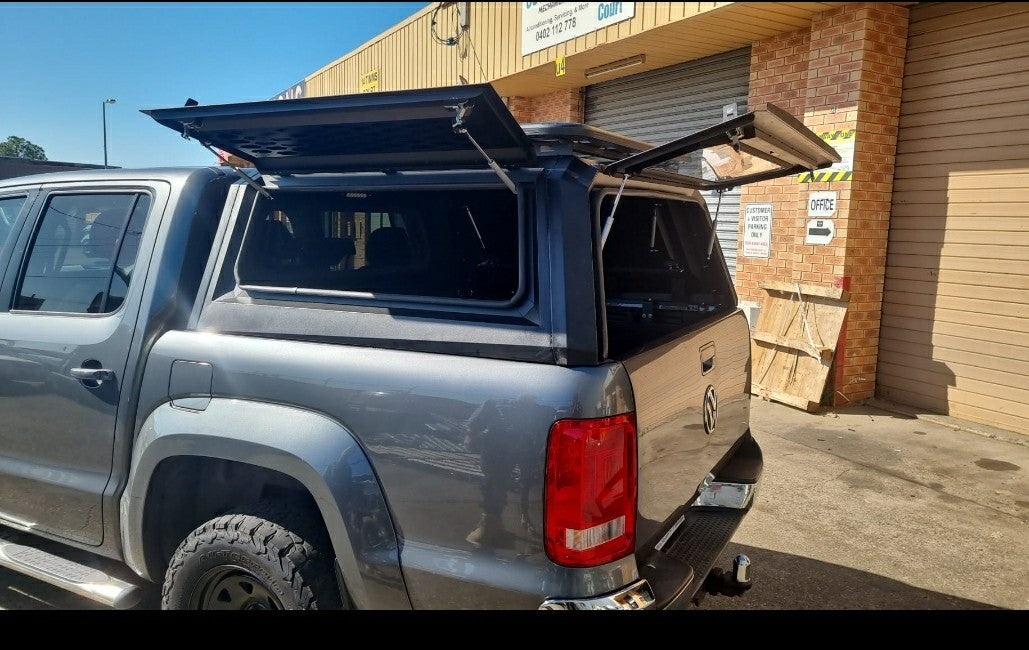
{"x": 720, "y": 582}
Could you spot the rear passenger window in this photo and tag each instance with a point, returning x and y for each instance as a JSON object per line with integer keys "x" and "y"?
{"x": 461, "y": 245}
{"x": 83, "y": 253}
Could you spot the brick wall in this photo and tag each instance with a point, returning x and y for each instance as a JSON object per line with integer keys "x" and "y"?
{"x": 521, "y": 108}
{"x": 560, "y": 106}
{"x": 845, "y": 72}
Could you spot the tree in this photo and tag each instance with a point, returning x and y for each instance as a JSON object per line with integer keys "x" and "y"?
{"x": 21, "y": 148}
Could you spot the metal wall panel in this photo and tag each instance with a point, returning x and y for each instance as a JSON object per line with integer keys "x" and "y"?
{"x": 495, "y": 34}
{"x": 954, "y": 336}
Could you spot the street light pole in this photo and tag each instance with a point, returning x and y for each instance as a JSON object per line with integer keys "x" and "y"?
{"x": 103, "y": 107}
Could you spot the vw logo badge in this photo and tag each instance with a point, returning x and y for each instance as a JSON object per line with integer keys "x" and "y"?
{"x": 710, "y": 409}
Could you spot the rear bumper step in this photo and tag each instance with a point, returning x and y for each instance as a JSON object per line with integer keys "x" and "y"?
{"x": 679, "y": 568}
{"x": 71, "y": 576}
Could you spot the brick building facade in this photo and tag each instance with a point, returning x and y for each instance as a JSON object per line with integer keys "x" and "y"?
{"x": 843, "y": 72}
{"x": 929, "y": 230}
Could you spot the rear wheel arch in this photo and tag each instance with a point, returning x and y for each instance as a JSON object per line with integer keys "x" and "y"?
{"x": 208, "y": 458}
{"x": 185, "y": 491}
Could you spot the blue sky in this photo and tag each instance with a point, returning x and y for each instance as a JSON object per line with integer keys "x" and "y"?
{"x": 59, "y": 61}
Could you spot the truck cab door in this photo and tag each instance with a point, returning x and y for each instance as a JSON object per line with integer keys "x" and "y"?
{"x": 69, "y": 302}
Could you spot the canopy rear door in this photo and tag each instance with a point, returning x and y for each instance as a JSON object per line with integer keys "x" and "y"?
{"x": 399, "y": 130}
{"x": 756, "y": 146}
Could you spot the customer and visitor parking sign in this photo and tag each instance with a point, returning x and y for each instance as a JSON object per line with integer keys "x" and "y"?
{"x": 757, "y": 230}
{"x": 843, "y": 142}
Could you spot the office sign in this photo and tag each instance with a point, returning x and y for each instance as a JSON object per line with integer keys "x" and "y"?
{"x": 821, "y": 204}
{"x": 549, "y": 23}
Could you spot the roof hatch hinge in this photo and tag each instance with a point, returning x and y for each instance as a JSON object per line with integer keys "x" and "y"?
{"x": 188, "y": 126}
{"x": 735, "y": 136}
{"x": 460, "y": 112}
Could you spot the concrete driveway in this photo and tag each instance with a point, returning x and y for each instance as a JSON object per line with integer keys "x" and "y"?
{"x": 870, "y": 509}
{"x": 859, "y": 509}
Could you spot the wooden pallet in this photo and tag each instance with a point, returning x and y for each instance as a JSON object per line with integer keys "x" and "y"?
{"x": 790, "y": 360}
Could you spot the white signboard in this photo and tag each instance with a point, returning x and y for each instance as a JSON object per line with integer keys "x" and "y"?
{"x": 821, "y": 204}
{"x": 757, "y": 230}
{"x": 819, "y": 232}
{"x": 549, "y": 23}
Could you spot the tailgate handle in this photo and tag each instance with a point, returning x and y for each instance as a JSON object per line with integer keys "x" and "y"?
{"x": 707, "y": 358}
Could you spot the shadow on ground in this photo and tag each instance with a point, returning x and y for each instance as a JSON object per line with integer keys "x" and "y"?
{"x": 785, "y": 581}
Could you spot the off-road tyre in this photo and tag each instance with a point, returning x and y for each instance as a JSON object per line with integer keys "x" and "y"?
{"x": 265, "y": 556}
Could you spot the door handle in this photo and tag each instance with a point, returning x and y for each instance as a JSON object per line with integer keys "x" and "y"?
{"x": 707, "y": 358}
{"x": 92, "y": 374}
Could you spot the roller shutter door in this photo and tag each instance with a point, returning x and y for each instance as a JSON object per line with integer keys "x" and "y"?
{"x": 954, "y": 335}
{"x": 668, "y": 103}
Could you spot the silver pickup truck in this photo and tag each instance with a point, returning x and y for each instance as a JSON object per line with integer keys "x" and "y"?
{"x": 419, "y": 356}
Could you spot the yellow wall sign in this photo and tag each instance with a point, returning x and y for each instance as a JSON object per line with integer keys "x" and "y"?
{"x": 559, "y": 67}
{"x": 843, "y": 142}
{"x": 370, "y": 81}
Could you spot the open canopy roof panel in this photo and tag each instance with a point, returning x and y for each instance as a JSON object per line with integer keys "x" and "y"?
{"x": 763, "y": 144}
{"x": 400, "y": 130}
{"x": 756, "y": 146}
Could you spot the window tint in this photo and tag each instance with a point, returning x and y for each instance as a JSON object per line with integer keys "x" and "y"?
{"x": 9, "y": 209}
{"x": 453, "y": 244}
{"x": 83, "y": 253}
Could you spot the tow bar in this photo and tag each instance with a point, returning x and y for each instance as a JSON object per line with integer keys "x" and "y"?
{"x": 727, "y": 583}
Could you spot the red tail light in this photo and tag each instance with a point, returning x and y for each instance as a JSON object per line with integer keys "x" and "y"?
{"x": 589, "y": 504}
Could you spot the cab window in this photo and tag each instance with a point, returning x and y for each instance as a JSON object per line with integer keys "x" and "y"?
{"x": 83, "y": 253}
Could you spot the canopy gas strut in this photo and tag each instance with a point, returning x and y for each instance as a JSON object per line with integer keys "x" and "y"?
{"x": 714, "y": 226}
{"x": 610, "y": 221}
{"x": 460, "y": 112}
{"x": 735, "y": 137}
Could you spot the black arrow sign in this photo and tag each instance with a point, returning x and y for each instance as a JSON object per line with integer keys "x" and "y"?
{"x": 819, "y": 231}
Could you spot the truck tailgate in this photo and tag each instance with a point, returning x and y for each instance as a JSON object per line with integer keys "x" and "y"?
{"x": 673, "y": 384}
